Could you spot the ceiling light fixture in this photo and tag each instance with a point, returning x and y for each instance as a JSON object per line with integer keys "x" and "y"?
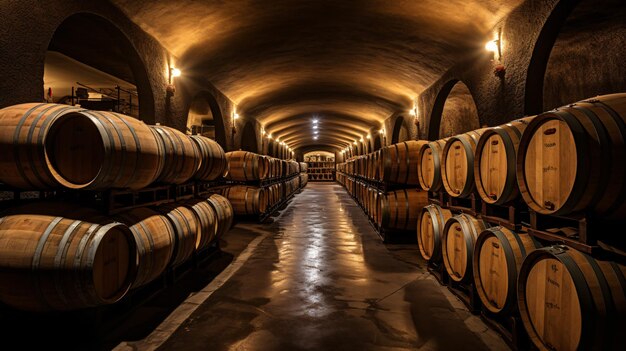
{"x": 315, "y": 121}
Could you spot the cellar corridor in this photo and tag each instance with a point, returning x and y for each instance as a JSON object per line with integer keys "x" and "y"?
{"x": 319, "y": 278}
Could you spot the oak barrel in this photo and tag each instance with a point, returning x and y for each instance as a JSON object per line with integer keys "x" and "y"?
{"x": 430, "y": 226}
{"x": 246, "y": 200}
{"x": 155, "y": 239}
{"x": 181, "y": 157}
{"x": 213, "y": 164}
{"x": 48, "y": 146}
{"x": 495, "y": 162}
{"x": 569, "y": 300}
{"x": 498, "y": 256}
{"x": 574, "y": 159}
{"x": 207, "y": 221}
{"x": 224, "y": 213}
{"x": 400, "y": 209}
{"x": 187, "y": 232}
{"x": 429, "y": 165}
{"x": 398, "y": 162}
{"x": 245, "y": 166}
{"x": 457, "y": 163}
{"x": 57, "y": 256}
{"x": 457, "y": 245}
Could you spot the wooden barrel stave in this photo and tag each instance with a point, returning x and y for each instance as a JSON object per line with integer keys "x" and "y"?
{"x": 457, "y": 163}
{"x": 459, "y": 235}
{"x": 429, "y": 165}
{"x": 571, "y": 301}
{"x": 155, "y": 239}
{"x": 498, "y": 256}
{"x": 400, "y": 209}
{"x": 430, "y": 226}
{"x": 246, "y": 166}
{"x": 213, "y": 163}
{"x": 59, "y": 256}
{"x": 398, "y": 162}
{"x": 187, "y": 232}
{"x": 246, "y": 200}
{"x": 181, "y": 158}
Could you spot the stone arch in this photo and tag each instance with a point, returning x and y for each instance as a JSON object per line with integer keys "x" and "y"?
{"x": 204, "y": 112}
{"x": 400, "y": 131}
{"x": 248, "y": 138}
{"x": 454, "y": 111}
{"x": 108, "y": 50}
{"x": 378, "y": 142}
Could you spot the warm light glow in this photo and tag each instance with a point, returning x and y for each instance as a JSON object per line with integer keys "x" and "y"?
{"x": 412, "y": 112}
{"x": 175, "y": 72}
{"x": 382, "y": 131}
{"x": 315, "y": 126}
{"x": 236, "y": 115}
{"x": 361, "y": 140}
{"x": 314, "y": 138}
{"x": 269, "y": 136}
{"x": 369, "y": 136}
{"x": 492, "y": 46}
{"x": 277, "y": 139}
{"x": 355, "y": 142}
{"x": 315, "y": 121}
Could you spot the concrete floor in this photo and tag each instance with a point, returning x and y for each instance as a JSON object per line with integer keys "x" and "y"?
{"x": 319, "y": 278}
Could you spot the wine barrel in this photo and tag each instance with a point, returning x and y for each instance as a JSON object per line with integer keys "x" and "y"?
{"x": 56, "y": 256}
{"x": 457, "y": 245}
{"x": 571, "y": 301}
{"x": 207, "y": 221}
{"x": 155, "y": 242}
{"x": 429, "y": 165}
{"x": 495, "y": 162}
{"x": 457, "y": 166}
{"x": 245, "y": 166}
{"x": 398, "y": 162}
{"x": 213, "y": 163}
{"x": 48, "y": 146}
{"x": 187, "y": 231}
{"x": 223, "y": 212}
{"x": 498, "y": 256}
{"x": 400, "y": 209}
{"x": 246, "y": 200}
{"x": 181, "y": 158}
{"x": 572, "y": 159}
{"x": 430, "y": 226}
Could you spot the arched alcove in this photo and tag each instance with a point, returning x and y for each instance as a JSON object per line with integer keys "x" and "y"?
{"x": 248, "y": 138}
{"x": 454, "y": 111}
{"x": 400, "y": 131}
{"x": 95, "y": 68}
{"x": 588, "y": 56}
{"x": 205, "y": 117}
{"x": 378, "y": 142}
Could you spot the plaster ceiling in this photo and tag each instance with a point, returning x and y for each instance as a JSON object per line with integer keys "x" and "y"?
{"x": 351, "y": 63}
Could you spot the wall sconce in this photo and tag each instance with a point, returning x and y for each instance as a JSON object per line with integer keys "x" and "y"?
{"x": 368, "y": 136}
{"x": 170, "y": 89}
{"x": 382, "y": 131}
{"x": 495, "y": 47}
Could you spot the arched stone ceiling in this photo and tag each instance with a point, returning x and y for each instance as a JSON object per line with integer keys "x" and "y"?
{"x": 351, "y": 63}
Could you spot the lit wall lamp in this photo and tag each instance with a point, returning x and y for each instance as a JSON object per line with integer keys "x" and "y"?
{"x": 171, "y": 89}
{"x": 495, "y": 47}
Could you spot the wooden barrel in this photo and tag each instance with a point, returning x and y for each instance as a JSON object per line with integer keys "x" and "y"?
{"x": 571, "y": 301}
{"x": 398, "y": 162}
{"x": 246, "y": 200}
{"x": 207, "y": 222}
{"x": 430, "y": 225}
{"x": 498, "y": 256}
{"x": 245, "y": 166}
{"x": 56, "y": 256}
{"x": 187, "y": 231}
{"x": 495, "y": 162}
{"x": 213, "y": 163}
{"x": 155, "y": 242}
{"x": 181, "y": 158}
{"x": 400, "y": 209}
{"x": 573, "y": 159}
{"x": 223, "y": 212}
{"x": 429, "y": 165}
{"x": 457, "y": 163}
{"x": 457, "y": 245}
{"x": 48, "y": 146}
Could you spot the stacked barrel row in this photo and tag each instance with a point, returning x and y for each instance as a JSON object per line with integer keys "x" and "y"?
{"x": 61, "y": 256}
{"x": 50, "y": 146}
{"x": 562, "y": 162}
{"x": 264, "y": 181}
{"x": 395, "y": 166}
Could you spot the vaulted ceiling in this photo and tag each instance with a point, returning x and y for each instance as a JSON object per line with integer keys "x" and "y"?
{"x": 352, "y": 64}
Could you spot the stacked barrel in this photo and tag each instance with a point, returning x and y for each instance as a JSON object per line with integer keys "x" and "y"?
{"x": 385, "y": 184}
{"x": 258, "y": 183}
{"x": 57, "y": 255}
{"x": 563, "y": 167}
